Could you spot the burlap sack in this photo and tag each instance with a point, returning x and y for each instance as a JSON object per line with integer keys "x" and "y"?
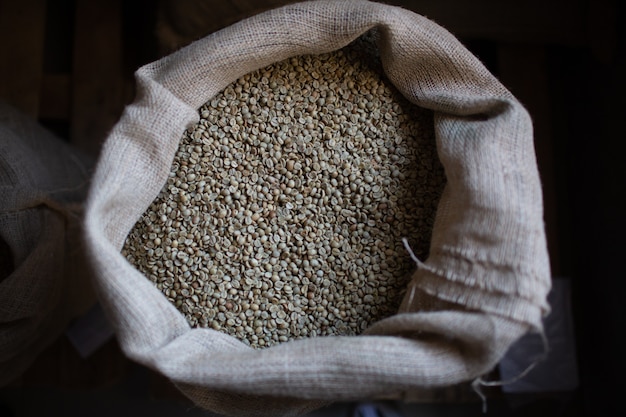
{"x": 43, "y": 282}
{"x": 483, "y": 286}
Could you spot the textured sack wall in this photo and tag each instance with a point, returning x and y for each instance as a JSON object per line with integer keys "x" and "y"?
{"x": 43, "y": 183}
{"x": 484, "y": 285}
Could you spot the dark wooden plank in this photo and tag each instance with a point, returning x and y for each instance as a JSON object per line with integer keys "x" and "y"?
{"x": 97, "y": 79}
{"x": 181, "y": 22}
{"x": 54, "y": 101}
{"x": 603, "y": 30}
{"x": 22, "y": 25}
{"x": 556, "y": 21}
{"x": 523, "y": 70}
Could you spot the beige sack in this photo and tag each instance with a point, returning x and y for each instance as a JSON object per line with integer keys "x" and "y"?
{"x": 483, "y": 286}
{"x": 43, "y": 281}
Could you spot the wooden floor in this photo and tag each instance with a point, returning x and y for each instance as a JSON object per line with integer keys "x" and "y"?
{"x": 69, "y": 64}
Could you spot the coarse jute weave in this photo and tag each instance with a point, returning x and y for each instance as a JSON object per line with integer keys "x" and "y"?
{"x": 43, "y": 281}
{"x": 483, "y": 286}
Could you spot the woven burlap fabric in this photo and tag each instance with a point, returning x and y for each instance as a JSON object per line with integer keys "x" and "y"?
{"x": 483, "y": 286}
{"x": 43, "y": 183}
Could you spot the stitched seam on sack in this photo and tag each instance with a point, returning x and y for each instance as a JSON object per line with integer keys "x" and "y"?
{"x": 490, "y": 284}
{"x": 469, "y": 289}
{"x": 507, "y": 306}
{"x": 472, "y": 257}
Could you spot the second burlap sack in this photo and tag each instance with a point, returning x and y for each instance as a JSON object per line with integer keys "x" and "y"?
{"x": 43, "y": 281}
{"x": 483, "y": 286}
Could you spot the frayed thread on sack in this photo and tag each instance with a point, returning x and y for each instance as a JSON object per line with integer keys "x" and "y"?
{"x": 419, "y": 265}
{"x": 480, "y": 382}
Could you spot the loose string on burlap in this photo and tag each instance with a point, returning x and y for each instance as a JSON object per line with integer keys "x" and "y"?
{"x": 419, "y": 265}
{"x": 480, "y": 382}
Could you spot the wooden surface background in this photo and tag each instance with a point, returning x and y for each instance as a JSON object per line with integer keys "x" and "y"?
{"x": 69, "y": 64}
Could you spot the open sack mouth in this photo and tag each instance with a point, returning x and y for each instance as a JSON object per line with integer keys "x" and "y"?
{"x": 280, "y": 198}
{"x": 286, "y": 204}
